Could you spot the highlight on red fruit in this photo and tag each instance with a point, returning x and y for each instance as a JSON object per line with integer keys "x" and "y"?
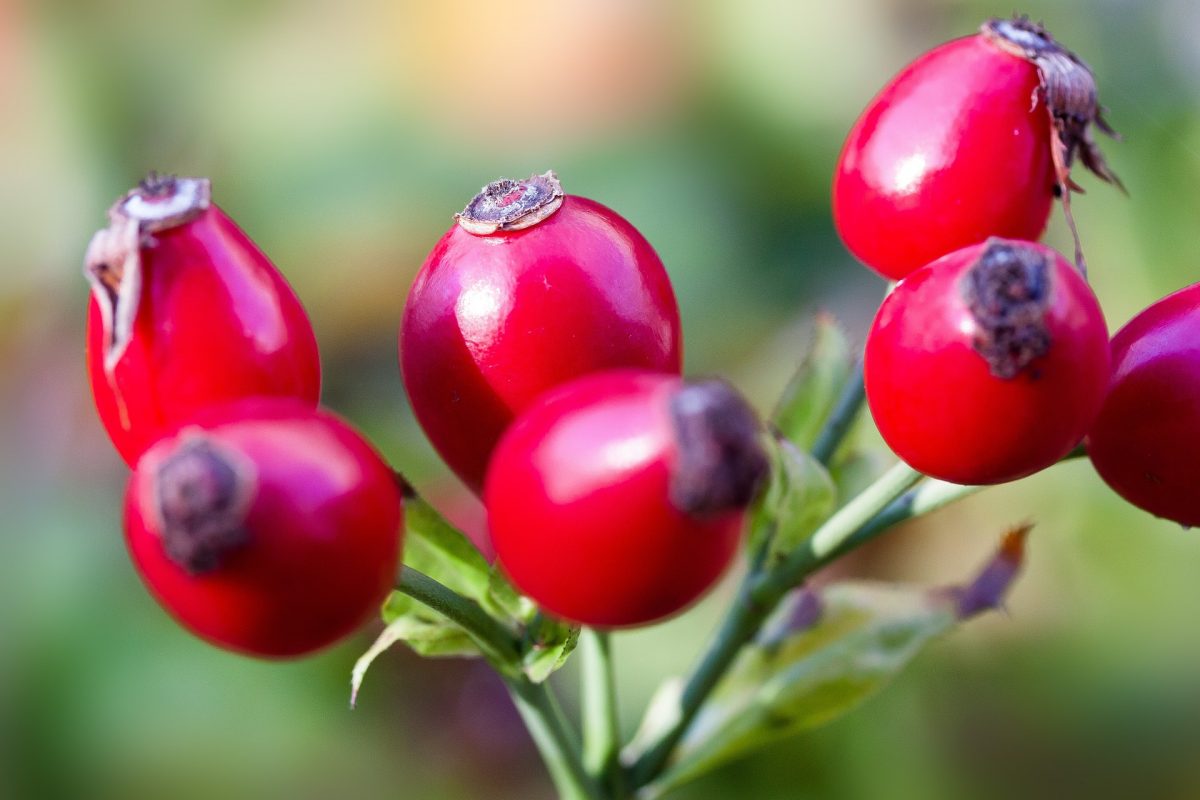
{"x": 186, "y": 313}
{"x": 989, "y": 364}
{"x": 973, "y": 139}
{"x": 618, "y": 499}
{"x": 265, "y": 526}
{"x": 1145, "y": 441}
{"x": 529, "y": 289}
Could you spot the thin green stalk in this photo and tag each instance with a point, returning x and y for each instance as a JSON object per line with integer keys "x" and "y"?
{"x": 926, "y": 498}
{"x": 498, "y": 642}
{"x": 832, "y": 535}
{"x": 756, "y": 599}
{"x": 552, "y": 735}
{"x": 601, "y": 727}
{"x": 842, "y": 417}
{"x": 554, "y": 740}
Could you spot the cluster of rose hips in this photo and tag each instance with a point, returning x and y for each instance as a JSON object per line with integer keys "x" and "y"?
{"x": 540, "y": 348}
{"x": 261, "y": 522}
{"x": 990, "y": 359}
{"x": 267, "y": 525}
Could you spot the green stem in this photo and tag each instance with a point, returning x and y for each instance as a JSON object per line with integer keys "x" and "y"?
{"x": 601, "y": 727}
{"x": 842, "y": 417}
{"x": 497, "y": 641}
{"x": 926, "y": 498}
{"x": 553, "y": 735}
{"x": 554, "y": 740}
{"x": 758, "y": 597}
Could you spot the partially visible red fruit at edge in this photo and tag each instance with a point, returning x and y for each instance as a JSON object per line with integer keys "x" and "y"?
{"x": 989, "y": 364}
{"x": 214, "y": 321}
{"x": 495, "y": 319}
{"x": 1145, "y": 441}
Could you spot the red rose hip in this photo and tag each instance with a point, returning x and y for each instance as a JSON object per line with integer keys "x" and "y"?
{"x": 265, "y": 526}
{"x": 529, "y": 289}
{"x": 989, "y": 364}
{"x": 618, "y": 499}
{"x": 1145, "y": 441}
{"x": 186, "y": 313}
{"x": 971, "y": 140}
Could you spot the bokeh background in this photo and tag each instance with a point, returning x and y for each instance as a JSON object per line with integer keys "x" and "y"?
{"x": 342, "y": 136}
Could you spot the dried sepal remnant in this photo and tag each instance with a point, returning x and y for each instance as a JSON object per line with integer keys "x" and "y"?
{"x": 113, "y": 268}
{"x": 1007, "y": 291}
{"x": 1069, "y": 89}
{"x": 511, "y": 205}
{"x": 722, "y": 462}
{"x": 991, "y": 585}
{"x": 113, "y": 263}
{"x": 202, "y": 493}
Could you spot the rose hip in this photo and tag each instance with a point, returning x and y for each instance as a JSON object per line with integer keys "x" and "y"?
{"x": 973, "y": 139}
{"x": 989, "y": 364}
{"x": 265, "y": 526}
{"x": 619, "y": 498}
{"x": 1145, "y": 441}
{"x": 186, "y": 313}
{"x": 529, "y": 289}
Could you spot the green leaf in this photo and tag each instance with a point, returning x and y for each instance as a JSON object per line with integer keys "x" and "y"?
{"x": 823, "y": 653}
{"x": 813, "y": 391}
{"x": 424, "y": 630}
{"x": 550, "y": 643}
{"x": 435, "y": 547}
{"x": 504, "y": 600}
{"x": 799, "y": 497}
{"x": 662, "y": 714}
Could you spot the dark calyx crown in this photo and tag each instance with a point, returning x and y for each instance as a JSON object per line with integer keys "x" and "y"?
{"x": 1007, "y": 291}
{"x": 721, "y": 461}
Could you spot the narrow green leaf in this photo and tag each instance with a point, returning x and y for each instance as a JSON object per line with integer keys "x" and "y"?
{"x": 553, "y": 643}
{"x": 823, "y": 653}
{"x": 424, "y": 630}
{"x": 438, "y": 549}
{"x": 435, "y": 547}
{"x": 813, "y": 390}
{"x": 662, "y": 714}
{"x": 799, "y": 497}
{"x": 504, "y": 600}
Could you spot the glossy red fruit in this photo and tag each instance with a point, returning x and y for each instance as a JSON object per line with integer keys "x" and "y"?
{"x": 186, "y": 313}
{"x": 528, "y": 290}
{"x": 989, "y": 364}
{"x": 1145, "y": 441}
{"x": 618, "y": 499}
{"x": 963, "y": 144}
{"x": 265, "y": 526}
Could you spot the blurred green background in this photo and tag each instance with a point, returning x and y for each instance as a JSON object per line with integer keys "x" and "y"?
{"x": 342, "y": 136}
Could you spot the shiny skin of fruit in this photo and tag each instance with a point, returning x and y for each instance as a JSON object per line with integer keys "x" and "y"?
{"x": 187, "y": 312}
{"x": 1144, "y": 442}
{"x": 497, "y": 317}
{"x": 956, "y": 148}
{"x": 618, "y": 499}
{"x": 265, "y": 526}
{"x": 989, "y": 364}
